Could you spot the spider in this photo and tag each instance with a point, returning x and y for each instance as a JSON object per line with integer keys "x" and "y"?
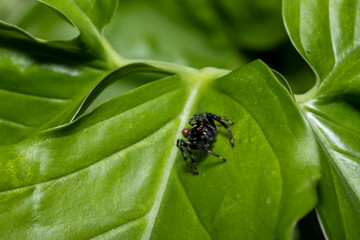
{"x": 201, "y": 136}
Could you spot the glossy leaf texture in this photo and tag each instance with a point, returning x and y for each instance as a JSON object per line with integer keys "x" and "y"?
{"x": 43, "y": 82}
{"x": 117, "y": 173}
{"x": 327, "y": 35}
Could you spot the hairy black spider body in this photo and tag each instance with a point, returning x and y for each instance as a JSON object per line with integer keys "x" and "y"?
{"x": 201, "y": 136}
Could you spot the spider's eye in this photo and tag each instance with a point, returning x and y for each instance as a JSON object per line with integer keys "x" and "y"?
{"x": 185, "y": 131}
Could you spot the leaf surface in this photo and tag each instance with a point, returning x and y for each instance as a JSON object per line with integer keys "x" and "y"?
{"x": 326, "y": 33}
{"x": 117, "y": 173}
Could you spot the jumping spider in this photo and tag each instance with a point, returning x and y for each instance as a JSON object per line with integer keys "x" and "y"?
{"x": 201, "y": 135}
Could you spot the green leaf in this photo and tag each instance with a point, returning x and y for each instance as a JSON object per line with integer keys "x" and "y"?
{"x": 326, "y": 34}
{"x": 43, "y": 82}
{"x": 117, "y": 173}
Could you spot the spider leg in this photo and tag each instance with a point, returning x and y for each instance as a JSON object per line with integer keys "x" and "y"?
{"x": 219, "y": 119}
{"x": 197, "y": 118}
{"x": 195, "y": 171}
{"x": 210, "y": 123}
{"x": 201, "y": 146}
{"x": 181, "y": 144}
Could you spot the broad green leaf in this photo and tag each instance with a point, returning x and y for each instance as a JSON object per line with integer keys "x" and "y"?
{"x": 43, "y": 82}
{"x": 327, "y": 35}
{"x": 40, "y": 83}
{"x": 117, "y": 173}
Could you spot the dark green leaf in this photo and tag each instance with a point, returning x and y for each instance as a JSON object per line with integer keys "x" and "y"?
{"x": 116, "y": 172}
{"x": 326, "y": 34}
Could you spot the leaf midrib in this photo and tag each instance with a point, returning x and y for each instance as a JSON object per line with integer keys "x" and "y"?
{"x": 186, "y": 112}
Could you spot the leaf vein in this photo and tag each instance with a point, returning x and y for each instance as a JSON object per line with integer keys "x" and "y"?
{"x": 153, "y": 213}
{"x": 119, "y": 226}
{"x": 12, "y": 122}
{"x": 331, "y": 35}
{"x": 36, "y": 96}
{"x": 333, "y": 174}
{"x": 317, "y": 113}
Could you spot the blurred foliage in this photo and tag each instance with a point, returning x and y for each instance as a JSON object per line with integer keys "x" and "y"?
{"x": 223, "y": 34}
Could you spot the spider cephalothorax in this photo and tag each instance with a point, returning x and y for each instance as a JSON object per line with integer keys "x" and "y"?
{"x": 201, "y": 135}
